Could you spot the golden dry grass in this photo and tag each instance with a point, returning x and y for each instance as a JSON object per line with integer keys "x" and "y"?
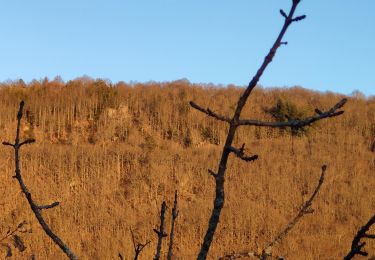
{"x": 111, "y": 155}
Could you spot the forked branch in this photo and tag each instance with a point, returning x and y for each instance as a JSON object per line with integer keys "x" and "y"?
{"x": 34, "y": 206}
{"x": 240, "y": 153}
{"x": 160, "y": 233}
{"x": 174, "y": 217}
{"x": 300, "y": 122}
{"x": 234, "y": 122}
{"x": 305, "y": 209}
{"x": 357, "y": 245}
{"x": 267, "y": 250}
{"x": 138, "y": 247}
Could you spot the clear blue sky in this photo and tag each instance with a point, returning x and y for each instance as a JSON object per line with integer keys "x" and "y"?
{"x": 201, "y": 40}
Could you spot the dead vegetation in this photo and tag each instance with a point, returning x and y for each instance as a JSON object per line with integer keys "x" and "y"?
{"x": 113, "y": 184}
{"x": 114, "y": 150}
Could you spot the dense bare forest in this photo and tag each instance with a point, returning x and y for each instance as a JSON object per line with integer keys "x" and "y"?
{"x": 111, "y": 153}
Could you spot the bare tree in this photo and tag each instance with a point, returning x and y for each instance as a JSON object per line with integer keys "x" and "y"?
{"x": 235, "y": 121}
{"x": 357, "y": 245}
{"x": 37, "y": 209}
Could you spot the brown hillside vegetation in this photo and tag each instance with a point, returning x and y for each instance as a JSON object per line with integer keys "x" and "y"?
{"x": 111, "y": 153}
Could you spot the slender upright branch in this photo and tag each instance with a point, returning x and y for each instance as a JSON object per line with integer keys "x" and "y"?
{"x": 305, "y": 209}
{"x": 34, "y": 207}
{"x": 160, "y": 233}
{"x": 171, "y": 236}
{"x": 138, "y": 247}
{"x": 357, "y": 245}
{"x": 267, "y": 250}
{"x": 220, "y": 175}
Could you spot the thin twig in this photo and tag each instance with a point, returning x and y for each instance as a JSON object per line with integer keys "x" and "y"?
{"x": 301, "y": 122}
{"x": 267, "y": 250}
{"x": 305, "y": 209}
{"x": 240, "y": 153}
{"x": 15, "y": 230}
{"x": 34, "y": 207}
{"x": 209, "y": 112}
{"x": 171, "y": 236}
{"x": 161, "y": 234}
{"x": 138, "y": 247}
{"x": 357, "y": 245}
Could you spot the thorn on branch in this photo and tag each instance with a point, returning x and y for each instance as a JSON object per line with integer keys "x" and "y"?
{"x": 7, "y": 143}
{"x": 50, "y": 206}
{"x": 299, "y": 18}
{"x": 28, "y": 141}
{"x": 214, "y": 174}
{"x": 283, "y": 14}
{"x": 318, "y": 111}
{"x": 283, "y": 43}
{"x": 240, "y": 153}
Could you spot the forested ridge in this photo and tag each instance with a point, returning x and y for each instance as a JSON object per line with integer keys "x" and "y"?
{"x": 111, "y": 153}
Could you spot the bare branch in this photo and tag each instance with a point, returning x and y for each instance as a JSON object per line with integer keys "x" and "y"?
{"x": 214, "y": 174}
{"x": 138, "y": 247}
{"x": 209, "y": 112}
{"x": 220, "y": 177}
{"x": 50, "y": 206}
{"x": 13, "y": 231}
{"x": 174, "y": 217}
{"x": 161, "y": 234}
{"x": 34, "y": 207}
{"x": 240, "y": 153}
{"x": 357, "y": 245}
{"x": 282, "y": 12}
{"x": 28, "y": 141}
{"x": 7, "y": 143}
{"x": 299, "y": 123}
{"x": 299, "y": 18}
{"x": 305, "y": 209}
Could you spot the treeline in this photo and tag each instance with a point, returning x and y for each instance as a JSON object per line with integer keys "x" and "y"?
{"x": 96, "y": 111}
{"x": 112, "y": 152}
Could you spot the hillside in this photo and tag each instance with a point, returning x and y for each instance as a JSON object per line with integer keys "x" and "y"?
{"x": 111, "y": 153}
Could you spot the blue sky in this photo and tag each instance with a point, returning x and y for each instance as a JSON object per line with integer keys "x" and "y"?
{"x": 202, "y": 40}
